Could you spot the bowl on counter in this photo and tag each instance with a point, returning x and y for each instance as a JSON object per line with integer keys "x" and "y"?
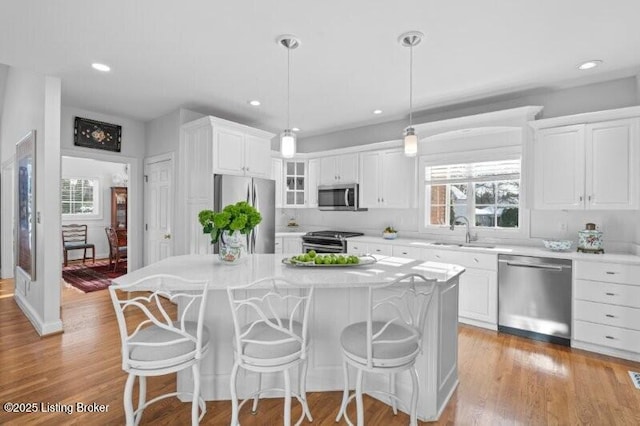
{"x": 389, "y": 235}
{"x": 558, "y": 245}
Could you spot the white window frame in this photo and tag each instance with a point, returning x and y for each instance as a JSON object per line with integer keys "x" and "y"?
{"x": 493, "y": 154}
{"x": 97, "y": 200}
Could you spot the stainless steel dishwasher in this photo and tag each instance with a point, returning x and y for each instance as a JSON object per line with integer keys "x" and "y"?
{"x": 534, "y": 297}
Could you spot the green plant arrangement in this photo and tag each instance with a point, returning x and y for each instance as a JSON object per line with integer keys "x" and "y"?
{"x": 240, "y": 216}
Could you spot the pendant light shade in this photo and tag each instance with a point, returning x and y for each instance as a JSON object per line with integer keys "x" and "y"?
{"x": 288, "y": 144}
{"x": 410, "y": 142}
{"x": 287, "y": 137}
{"x": 410, "y": 40}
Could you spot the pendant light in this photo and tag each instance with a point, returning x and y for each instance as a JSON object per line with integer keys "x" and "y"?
{"x": 410, "y": 40}
{"x": 287, "y": 137}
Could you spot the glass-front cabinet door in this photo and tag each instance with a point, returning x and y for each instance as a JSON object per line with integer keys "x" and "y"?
{"x": 295, "y": 180}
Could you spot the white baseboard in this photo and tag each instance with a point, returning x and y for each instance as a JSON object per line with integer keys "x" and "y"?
{"x": 42, "y": 328}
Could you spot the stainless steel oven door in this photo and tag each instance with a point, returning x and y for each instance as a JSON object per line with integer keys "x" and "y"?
{"x": 323, "y": 248}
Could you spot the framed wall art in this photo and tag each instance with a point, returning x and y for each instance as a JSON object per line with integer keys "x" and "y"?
{"x": 96, "y": 134}
{"x": 26, "y": 205}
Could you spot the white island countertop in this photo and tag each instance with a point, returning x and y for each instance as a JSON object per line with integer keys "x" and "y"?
{"x": 208, "y": 267}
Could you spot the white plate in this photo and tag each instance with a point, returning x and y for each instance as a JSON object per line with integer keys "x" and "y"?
{"x": 364, "y": 260}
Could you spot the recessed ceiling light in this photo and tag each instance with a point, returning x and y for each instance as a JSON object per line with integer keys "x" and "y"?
{"x": 101, "y": 67}
{"x": 295, "y": 129}
{"x": 254, "y": 102}
{"x": 589, "y": 64}
{"x": 377, "y": 111}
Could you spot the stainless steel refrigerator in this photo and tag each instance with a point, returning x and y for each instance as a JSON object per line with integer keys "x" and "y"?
{"x": 261, "y": 194}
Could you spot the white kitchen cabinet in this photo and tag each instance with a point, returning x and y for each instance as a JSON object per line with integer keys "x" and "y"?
{"x": 387, "y": 179}
{"x": 357, "y": 248}
{"x": 295, "y": 184}
{"x": 241, "y": 150}
{"x": 211, "y": 145}
{"x": 587, "y": 166}
{"x": 478, "y": 296}
{"x": 277, "y": 176}
{"x": 279, "y": 245}
{"x": 313, "y": 171}
{"x": 339, "y": 169}
{"x": 407, "y": 252}
{"x": 606, "y": 309}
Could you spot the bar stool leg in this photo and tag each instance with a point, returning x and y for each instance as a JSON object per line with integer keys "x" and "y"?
{"x": 287, "y": 398}
{"x": 392, "y": 391}
{"x": 254, "y": 408}
{"x": 195, "y": 418}
{"x": 414, "y": 397}
{"x": 142, "y": 394}
{"x": 303, "y": 390}
{"x": 234, "y": 396}
{"x": 128, "y": 403}
{"x": 359, "y": 403}
{"x": 345, "y": 392}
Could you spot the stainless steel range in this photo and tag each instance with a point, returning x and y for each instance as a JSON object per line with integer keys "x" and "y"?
{"x": 327, "y": 241}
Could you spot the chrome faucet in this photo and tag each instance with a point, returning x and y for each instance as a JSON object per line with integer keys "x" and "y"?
{"x": 467, "y": 236}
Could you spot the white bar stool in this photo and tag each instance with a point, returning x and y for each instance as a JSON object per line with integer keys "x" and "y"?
{"x": 270, "y": 318}
{"x": 159, "y": 345}
{"x": 388, "y": 342}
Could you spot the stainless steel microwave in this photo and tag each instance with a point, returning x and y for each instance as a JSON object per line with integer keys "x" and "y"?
{"x": 339, "y": 197}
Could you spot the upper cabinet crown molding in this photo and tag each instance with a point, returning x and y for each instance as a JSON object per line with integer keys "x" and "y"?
{"x": 586, "y": 118}
{"x": 514, "y": 117}
{"x": 215, "y": 121}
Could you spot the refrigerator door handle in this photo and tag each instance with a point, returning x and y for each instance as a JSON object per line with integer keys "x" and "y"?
{"x": 254, "y": 203}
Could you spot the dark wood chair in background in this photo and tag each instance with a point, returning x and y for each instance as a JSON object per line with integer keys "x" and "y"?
{"x": 74, "y": 237}
{"x": 117, "y": 246}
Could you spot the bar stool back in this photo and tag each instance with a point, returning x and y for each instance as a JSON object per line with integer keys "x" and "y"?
{"x": 153, "y": 343}
{"x": 389, "y": 341}
{"x": 270, "y": 319}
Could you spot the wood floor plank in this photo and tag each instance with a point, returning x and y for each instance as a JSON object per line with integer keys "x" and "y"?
{"x": 503, "y": 379}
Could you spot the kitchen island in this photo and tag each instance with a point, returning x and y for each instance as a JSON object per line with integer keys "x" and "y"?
{"x": 339, "y": 300}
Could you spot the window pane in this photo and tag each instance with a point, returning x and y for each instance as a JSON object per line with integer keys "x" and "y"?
{"x": 438, "y": 215}
{"x": 290, "y": 197}
{"x": 300, "y": 183}
{"x": 508, "y": 217}
{"x": 300, "y": 169}
{"x": 290, "y": 183}
{"x": 438, "y": 194}
{"x": 299, "y": 198}
{"x": 485, "y": 193}
{"x": 291, "y": 168}
{"x": 485, "y": 216}
{"x": 509, "y": 192}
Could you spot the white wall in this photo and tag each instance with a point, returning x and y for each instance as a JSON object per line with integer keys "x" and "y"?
{"x": 133, "y": 149}
{"x": 104, "y": 172}
{"x": 32, "y": 102}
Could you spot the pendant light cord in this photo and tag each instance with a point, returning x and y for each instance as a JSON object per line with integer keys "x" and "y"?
{"x": 410, "y": 84}
{"x": 288, "y": 86}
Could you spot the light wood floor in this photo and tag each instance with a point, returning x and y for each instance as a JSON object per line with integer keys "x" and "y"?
{"x": 503, "y": 379}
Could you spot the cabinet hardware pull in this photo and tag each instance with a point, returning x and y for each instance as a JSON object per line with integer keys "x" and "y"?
{"x": 609, "y": 337}
{"x": 404, "y": 252}
{"x": 581, "y": 198}
{"x": 610, "y": 316}
{"x": 610, "y": 294}
{"x": 476, "y": 260}
{"x": 611, "y": 273}
{"x": 589, "y": 197}
{"x": 382, "y": 199}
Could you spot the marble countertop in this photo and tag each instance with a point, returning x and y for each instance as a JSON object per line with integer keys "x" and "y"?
{"x": 505, "y": 249}
{"x": 257, "y": 266}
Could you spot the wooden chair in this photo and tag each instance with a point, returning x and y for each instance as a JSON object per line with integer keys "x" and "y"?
{"x": 158, "y": 344}
{"x": 117, "y": 246}
{"x": 74, "y": 237}
{"x": 388, "y": 342}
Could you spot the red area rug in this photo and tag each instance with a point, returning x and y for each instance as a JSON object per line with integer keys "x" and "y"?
{"x": 90, "y": 277}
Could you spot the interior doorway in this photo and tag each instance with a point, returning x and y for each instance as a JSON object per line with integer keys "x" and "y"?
{"x": 158, "y": 208}
{"x": 94, "y": 201}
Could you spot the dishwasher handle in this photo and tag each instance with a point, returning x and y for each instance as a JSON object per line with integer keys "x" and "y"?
{"x": 545, "y": 266}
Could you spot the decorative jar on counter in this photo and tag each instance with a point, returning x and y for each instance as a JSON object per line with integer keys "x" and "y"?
{"x": 590, "y": 240}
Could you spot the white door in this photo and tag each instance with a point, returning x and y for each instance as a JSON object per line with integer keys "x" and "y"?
{"x": 158, "y": 207}
{"x": 612, "y": 165}
{"x": 559, "y": 168}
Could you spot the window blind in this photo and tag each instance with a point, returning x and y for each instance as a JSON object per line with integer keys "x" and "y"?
{"x": 477, "y": 172}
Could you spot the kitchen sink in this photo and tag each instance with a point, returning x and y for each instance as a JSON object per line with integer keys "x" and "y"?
{"x": 467, "y": 245}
